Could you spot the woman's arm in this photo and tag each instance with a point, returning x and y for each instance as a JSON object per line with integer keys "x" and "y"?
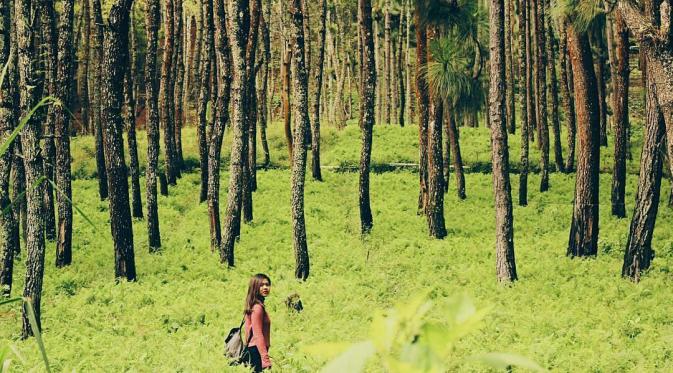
{"x": 257, "y": 319}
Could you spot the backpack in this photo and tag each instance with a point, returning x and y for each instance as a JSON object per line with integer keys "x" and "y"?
{"x": 234, "y": 348}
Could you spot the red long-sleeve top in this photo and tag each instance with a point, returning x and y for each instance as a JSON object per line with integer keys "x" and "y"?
{"x": 259, "y": 324}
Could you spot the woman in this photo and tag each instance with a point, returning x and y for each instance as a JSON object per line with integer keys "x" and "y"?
{"x": 257, "y": 322}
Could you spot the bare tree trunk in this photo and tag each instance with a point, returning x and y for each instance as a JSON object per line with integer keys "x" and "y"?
{"x": 130, "y": 122}
{"x": 263, "y": 109}
{"x": 541, "y": 94}
{"x": 152, "y": 12}
{"x": 204, "y": 94}
{"x": 387, "y": 68}
{"x": 301, "y": 138}
{"x": 526, "y": 97}
{"x": 423, "y": 115}
{"x": 504, "y": 219}
{"x": 452, "y": 132}
{"x": 166, "y": 99}
{"x": 509, "y": 69}
{"x": 50, "y": 39}
{"x": 66, "y": 57}
{"x": 285, "y": 97}
{"x": 553, "y": 90}
{"x": 83, "y": 81}
{"x": 638, "y": 254}
{"x": 179, "y": 69}
{"x": 568, "y": 99}
{"x": 98, "y": 57}
{"x": 240, "y": 21}
{"x": 9, "y": 240}
{"x": 31, "y": 81}
{"x": 400, "y": 71}
{"x": 599, "y": 65}
{"x": 215, "y": 143}
{"x": 368, "y": 90}
{"x": 620, "y": 107}
{"x": 315, "y": 123}
{"x": 583, "y": 239}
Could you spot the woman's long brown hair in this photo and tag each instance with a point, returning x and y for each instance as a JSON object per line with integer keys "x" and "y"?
{"x": 253, "y": 296}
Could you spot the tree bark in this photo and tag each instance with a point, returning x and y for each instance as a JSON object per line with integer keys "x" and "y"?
{"x": 178, "y": 92}
{"x": 285, "y": 97}
{"x": 204, "y": 94}
{"x": 215, "y": 144}
{"x": 66, "y": 56}
{"x": 454, "y": 135}
{"x": 114, "y": 66}
{"x": 301, "y": 138}
{"x": 504, "y": 219}
{"x": 250, "y": 174}
{"x": 621, "y": 115}
{"x": 541, "y": 93}
{"x": 583, "y": 240}
{"x": 130, "y": 122}
{"x": 315, "y": 123}
{"x": 263, "y": 109}
{"x": 83, "y": 80}
{"x": 166, "y": 99}
{"x": 509, "y": 69}
{"x": 31, "y": 81}
{"x": 423, "y": 115}
{"x": 568, "y": 99}
{"x": 9, "y": 240}
{"x": 98, "y": 57}
{"x": 239, "y": 26}
{"x": 50, "y": 41}
{"x": 152, "y": 12}
{"x": 526, "y": 97}
{"x": 368, "y": 90}
{"x": 553, "y": 90}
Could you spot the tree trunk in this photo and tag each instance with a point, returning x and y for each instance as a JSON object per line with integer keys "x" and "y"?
{"x": 504, "y": 219}
{"x": 400, "y": 71}
{"x": 9, "y": 240}
{"x": 541, "y": 94}
{"x": 100, "y": 156}
{"x": 526, "y": 97}
{"x": 423, "y": 115}
{"x": 553, "y": 90}
{"x": 435, "y": 206}
{"x": 263, "y": 109}
{"x": 239, "y": 24}
{"x": 509, "y": 68}
{"x": 31, "y": 81}
{"x": 568, "y": 99}
{"x": 620, "y": 107}
{"x": 583, "y": 239}
{"x": 215, "y": 143}
{"x": 301, "y": 138}
{"x": 179, "y": 80}
{"x": 83, "y": 81}
{"x": 166, "y": 99}
{"x": 130, "y": 122}
{"x": 599, "y": 65}
{"x": 315, "y": 123}
{"x": 530, "y": 62}
{"x": 66, "y": 57}
{"x": 367, "y": 92}
{"x": 452, "y": 132}
{"x": 114, "y": 66}
{"x": 638, "y": 254}
{"x": 204, "y": 94}
{"x": 285, "y": 97}
{"x": 50, "y": 39}
{"x": 152, "y": 12}
{"x": 387, "y": 58}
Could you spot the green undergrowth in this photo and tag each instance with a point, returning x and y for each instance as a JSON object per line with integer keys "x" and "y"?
{"x": 566, "y": 315}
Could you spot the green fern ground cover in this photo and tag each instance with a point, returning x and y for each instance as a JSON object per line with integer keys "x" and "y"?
{"x": 567, "y": 315}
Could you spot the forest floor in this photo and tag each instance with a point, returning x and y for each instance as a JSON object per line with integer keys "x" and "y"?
{"x": 566, "y": 315}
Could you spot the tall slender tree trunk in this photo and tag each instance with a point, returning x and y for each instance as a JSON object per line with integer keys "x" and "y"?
{"x": 410, "y": 102}
{"x": 504, "y": 218}
{"x": 9, "y": 240}
{"x": 454, "y": 135}
{"x": 83, "y": 80}
{"x": 402, "y": 97}
{"x": 367, "y": 92}
{"x": 541, "y": 93}
{"x": 315, "y": 123}
{"x": 531, "y": 62}
{"x": 50, "y": 39}
{"x": 215, "y": 143}
{"x": 179, "y": 82}
{"x": 423, "y": 115}
{"x": 114, "y": 65}
{"x": 435, "y": 206}
{"x": 526, "y": 97}
{"x": 66, "y": 57}
{"x": 568, "y": 99}
{"x": 387, "y": 68}
{"x": 263, "y": 108}
{"x": 599, "y": 65}
{"x": 583, "y": 239}
{"x": 509, "y": 68}
{"x": 204, "y": 94}
{"x": 553, "y": 90}
{"x": 301, "y": 138}
{"x": 31, "y": 81}
{"x": 130, "y": 122}
{"x": 240, "y": 21}
{"x": 152, "y": 12}
{"x": 166, "y": 91}
{"x": 620, "y": 107}
{"x": 98, "y": 57}
{"x": 285, "y": 97}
